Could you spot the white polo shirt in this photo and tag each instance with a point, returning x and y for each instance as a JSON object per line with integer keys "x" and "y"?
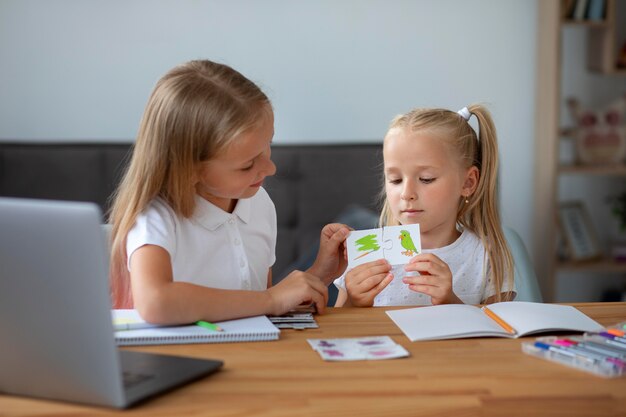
{"x": 213, "y": 248}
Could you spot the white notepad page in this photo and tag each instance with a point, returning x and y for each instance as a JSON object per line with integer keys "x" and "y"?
{"x": 250, "y": 329}
{"x": 459, "y": 320}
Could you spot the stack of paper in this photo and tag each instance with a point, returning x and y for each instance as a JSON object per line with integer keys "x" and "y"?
{"x": 294, "y": 320}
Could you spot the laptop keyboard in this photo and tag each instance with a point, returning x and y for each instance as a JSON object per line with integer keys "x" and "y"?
{"x": 131, "y": 379}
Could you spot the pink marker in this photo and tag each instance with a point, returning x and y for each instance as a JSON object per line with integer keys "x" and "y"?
{"x": 565, "y": 342}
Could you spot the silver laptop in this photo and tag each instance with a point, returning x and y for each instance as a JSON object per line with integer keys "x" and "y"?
{"x": 56, "y": 332}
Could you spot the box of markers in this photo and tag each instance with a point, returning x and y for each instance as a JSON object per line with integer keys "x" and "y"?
{"x": 602, "y": 353}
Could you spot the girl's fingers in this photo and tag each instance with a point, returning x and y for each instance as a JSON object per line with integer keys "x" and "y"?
{"x": 316, "y": 283}
{"x": 318, "y": 287}
{"x": 374, "y": 281}
{"x": 422, "y": 266}
{"x": 370, "y": 293}
{"x": 320, "y": 302}
{"x": 373, "y": 264}
{"x": 317, "y": 292}
{"x": 362, "y": 272}
{"x": 338, "y": 237}
{"x": 375, "y": 270}
{"x": 368, "y": 282}
{"x": 424, "y": 289}
{"x": 421, "y": 279}
{"x": 386, "y": 281}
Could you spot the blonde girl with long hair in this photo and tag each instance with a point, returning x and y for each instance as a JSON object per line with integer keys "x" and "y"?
{"x": 439, "y": 173}
{"x": 194, "y": 232}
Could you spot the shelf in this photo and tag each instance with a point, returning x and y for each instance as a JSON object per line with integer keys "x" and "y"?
{"x": 586, "y": 23}
{"x": 610, "y": 170}
{"x": 617, "y": 71}
{"x": 601, "y": 266}
{"x": 555, "y": 140}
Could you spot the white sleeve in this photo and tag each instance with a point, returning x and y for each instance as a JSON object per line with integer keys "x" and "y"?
{"x": 154, "y": 226}
{"x": 490, "y": 289}
{"x": 274, "y": 229}
{"x": 340, "y": 282}
{"x": 263, "y": 205}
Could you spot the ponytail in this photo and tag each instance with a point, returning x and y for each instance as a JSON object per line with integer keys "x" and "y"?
{"x": 480, "y": 214}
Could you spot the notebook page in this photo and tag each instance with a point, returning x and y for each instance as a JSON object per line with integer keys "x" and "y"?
{"x": 241, "y": 330}
{"x": 527, "y": 317}
{"x": 444, "y": 322}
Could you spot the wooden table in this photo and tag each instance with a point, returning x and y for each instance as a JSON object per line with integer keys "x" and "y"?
{"x": 470, "y": 377}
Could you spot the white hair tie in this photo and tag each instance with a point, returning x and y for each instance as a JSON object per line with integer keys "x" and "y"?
{"x": 465, "y": 113}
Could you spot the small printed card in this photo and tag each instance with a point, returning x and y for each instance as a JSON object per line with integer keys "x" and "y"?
{"x": 397, "y": 244}
{"x": 358, "y": 348}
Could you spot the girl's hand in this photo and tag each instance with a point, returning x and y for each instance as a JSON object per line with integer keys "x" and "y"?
{"x": 295, "y": 289}
{"x": 435, "y": 279}
{"x": 366, "y": 281}
{"x": 331, "y": 261}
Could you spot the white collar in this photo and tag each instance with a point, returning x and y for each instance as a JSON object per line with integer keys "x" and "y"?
{"x": 211, "y": 217}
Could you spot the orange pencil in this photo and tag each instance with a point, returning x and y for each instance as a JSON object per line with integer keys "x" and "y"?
{"x": 506, "y": 326}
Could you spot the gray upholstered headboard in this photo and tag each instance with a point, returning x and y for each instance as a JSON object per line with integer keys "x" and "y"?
{"x": 312, "y": 186}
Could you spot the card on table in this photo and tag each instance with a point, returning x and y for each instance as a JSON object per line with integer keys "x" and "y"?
{"x": 397, "y": 244}
{"x": 294, "y": 320}
{"x": 299, "y": 318}
{"x": 358, "y": 348}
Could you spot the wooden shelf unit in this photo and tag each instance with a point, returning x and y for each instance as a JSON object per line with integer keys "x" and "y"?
{"x": 607, "y": 170}
{"x": 601, "y": 265}
{"x": 602, "y": 53}
{"x": 603, "y": 46}
{"x": 587, "y": 23}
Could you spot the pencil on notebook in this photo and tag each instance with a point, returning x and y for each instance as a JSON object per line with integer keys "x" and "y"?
{"x": 506, "y": 326}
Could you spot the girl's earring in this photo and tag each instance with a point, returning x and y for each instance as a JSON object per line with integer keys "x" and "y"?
{"x": 466, "y": 200}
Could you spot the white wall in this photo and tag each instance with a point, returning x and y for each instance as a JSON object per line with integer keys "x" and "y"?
{"x": 336, "y": 70}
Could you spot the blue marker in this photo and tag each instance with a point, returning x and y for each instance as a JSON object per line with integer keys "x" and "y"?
{"x": 564, "y": 351}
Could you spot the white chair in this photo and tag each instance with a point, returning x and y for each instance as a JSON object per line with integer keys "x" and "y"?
{"x": 525, "y": 277}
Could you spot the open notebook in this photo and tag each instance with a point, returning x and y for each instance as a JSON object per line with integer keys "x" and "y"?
{"x": 507, "y": 319}
{"x": 250, "y": 329}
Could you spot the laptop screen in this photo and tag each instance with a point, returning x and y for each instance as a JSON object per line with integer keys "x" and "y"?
{"x": 57, "y": 336}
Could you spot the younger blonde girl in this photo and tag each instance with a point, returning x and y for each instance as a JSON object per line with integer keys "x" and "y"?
{"x": 439, "y": 173}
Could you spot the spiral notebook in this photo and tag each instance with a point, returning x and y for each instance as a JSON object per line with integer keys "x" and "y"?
{"x": 249, "y": 329}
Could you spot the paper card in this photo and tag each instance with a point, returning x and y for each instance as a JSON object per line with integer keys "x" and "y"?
{"x": 364, "y": 246}
{"x": 292, "y": 317}
{"x": 297, "y": 325}
{"x": 406, "y": 243}
{"x": 294, "y": 320}
{"x": 397, "y": 244}
{"x": 360, "y": 348}
{"x": 351, "y": 342}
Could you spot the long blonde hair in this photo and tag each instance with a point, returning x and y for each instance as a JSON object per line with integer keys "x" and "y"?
{"x": 193, "y": 113}
{"x": 480, "y": 215}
